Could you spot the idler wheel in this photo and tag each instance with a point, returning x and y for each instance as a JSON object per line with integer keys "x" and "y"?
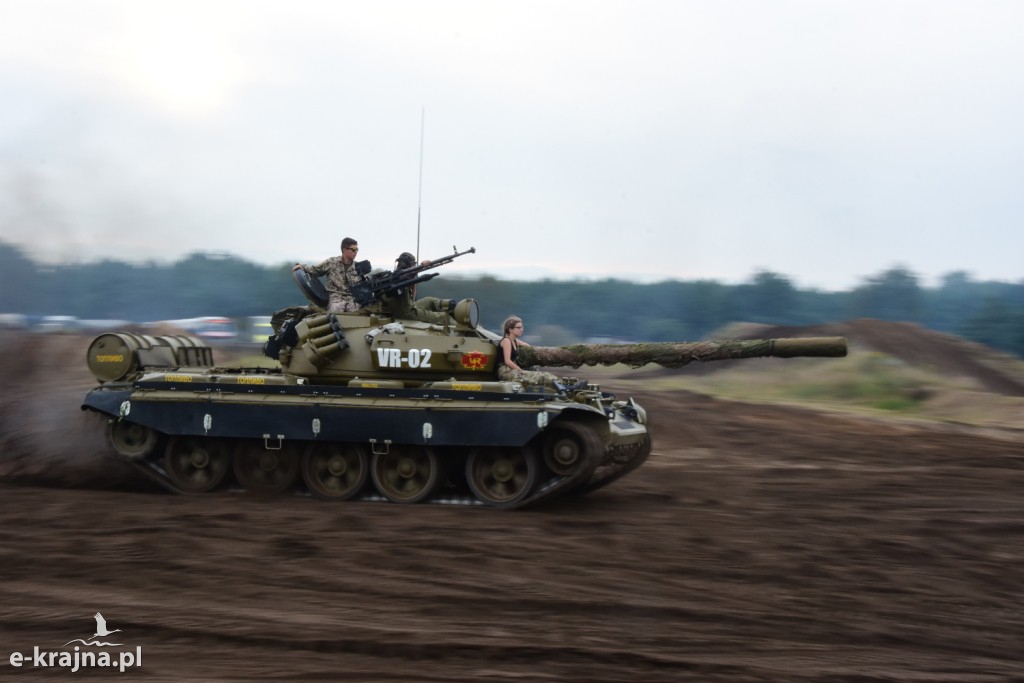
{"x": 501, "y": 477}
{"x": 266, "y": 470}
{"x": 132, "y": 442}
{"x": 196, "y": 464}
{"x": 335, "y": 471}
{"x": 568, "y": 446}
{"x": 407, "y": 474}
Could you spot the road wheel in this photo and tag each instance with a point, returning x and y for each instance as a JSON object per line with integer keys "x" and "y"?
{"x": 569, "y": 446}
{"x": 132, "y": 442}
{"x": 335, "y": 471}
{"x": 407, "y": 474}
{"x": 501, "y": 477}
{"x": 196, "y": 464}
{"x": 266, "y": 470}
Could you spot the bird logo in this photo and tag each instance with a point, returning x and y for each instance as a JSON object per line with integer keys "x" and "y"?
{"x": 101, "y": 631}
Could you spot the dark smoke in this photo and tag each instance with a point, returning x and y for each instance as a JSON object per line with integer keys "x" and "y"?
{"x": 45, "y": 438}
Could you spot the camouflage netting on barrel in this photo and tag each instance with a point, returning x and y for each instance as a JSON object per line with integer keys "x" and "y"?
{"x": 678, "y": 354}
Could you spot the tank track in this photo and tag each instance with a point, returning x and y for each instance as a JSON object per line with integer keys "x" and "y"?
{"x": 598, "y": 471}
{"x": 621, "y": 462}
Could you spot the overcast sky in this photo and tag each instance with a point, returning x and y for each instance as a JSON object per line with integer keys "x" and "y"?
{"x": 825, "y": 141}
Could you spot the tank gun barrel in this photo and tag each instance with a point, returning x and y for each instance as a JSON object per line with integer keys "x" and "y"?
{"x": 678, "y": 354}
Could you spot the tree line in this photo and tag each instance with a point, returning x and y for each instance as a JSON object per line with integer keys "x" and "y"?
{"x": 557, "y": 312}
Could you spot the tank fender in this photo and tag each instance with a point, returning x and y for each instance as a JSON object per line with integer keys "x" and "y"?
{"x": 578, "y": 411}
{"x": 587, "y": 412}
{"x": 605, "y": 420}
{"x": 106, "y": 400}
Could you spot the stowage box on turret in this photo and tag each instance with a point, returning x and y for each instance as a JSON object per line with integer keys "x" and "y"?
{"x": 369, "y": 405}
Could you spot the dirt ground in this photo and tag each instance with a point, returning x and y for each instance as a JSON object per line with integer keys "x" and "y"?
{"x": 759, "y": 543}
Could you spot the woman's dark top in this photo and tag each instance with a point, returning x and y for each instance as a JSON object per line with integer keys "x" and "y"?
{"x": 514, "y": 355}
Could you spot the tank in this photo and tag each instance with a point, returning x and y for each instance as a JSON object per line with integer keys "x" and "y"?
{"x": 371, "y": 406}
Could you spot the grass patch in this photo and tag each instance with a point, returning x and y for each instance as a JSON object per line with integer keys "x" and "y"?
{"x": 862, "y": 382}
{"x": 896, "y": 404}
{"x": 873, "y": 380}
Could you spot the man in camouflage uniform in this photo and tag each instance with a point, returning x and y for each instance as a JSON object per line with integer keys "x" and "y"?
{"x": 404, "y": 304}
{"x": 341, "y": 276}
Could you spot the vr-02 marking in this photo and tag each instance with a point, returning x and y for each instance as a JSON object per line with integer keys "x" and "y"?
{"x": 393, "y": 358}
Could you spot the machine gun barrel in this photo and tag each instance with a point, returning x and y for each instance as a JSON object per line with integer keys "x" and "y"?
{"x": 678, "y": 354}
{"x": 377, "y": 286}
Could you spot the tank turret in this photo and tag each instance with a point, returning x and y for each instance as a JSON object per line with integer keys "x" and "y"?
{"x": 333, "y": 348}
{"x": 375, "y": 344}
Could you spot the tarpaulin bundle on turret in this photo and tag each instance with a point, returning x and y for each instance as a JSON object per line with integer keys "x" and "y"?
{"x": 678, "y": 354}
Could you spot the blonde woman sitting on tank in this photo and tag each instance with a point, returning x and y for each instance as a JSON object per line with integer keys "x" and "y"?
{"x": 508, "y": 368}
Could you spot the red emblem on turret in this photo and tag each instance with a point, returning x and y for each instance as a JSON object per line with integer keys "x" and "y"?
{"x": 475, "y": 360}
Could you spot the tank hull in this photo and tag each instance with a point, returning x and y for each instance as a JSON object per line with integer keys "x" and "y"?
{"x": 462, "y": 431}
{"x": 440, "y": 418}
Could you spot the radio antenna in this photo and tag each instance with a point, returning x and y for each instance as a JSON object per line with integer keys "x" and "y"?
{"x": 419, "y": 199}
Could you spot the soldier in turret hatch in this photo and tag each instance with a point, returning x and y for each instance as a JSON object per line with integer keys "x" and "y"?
{"x": 342, "y": 274}
{"x": 404, "y": 303}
